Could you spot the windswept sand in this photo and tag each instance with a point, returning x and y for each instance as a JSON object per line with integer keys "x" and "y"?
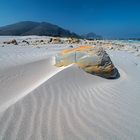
{"x": 39, "y": 101}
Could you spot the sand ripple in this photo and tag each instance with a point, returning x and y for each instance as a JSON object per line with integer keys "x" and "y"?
{"x": 74, "y": 105}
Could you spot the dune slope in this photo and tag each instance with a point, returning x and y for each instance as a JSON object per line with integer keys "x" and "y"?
{"x": 18, "y": 81}
{"x": 74, "y": 105}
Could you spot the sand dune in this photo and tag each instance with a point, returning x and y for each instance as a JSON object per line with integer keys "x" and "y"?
{"x": 39, "y": 101}
{"x": 75, "y": 105}
{"x": 20, "y": 80}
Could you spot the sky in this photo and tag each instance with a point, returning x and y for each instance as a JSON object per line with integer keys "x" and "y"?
{"x": 109, "y": 18}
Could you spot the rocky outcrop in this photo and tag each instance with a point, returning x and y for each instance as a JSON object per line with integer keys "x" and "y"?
{"x": 11, "y": 42}
{"x": 91, "y": 59}
{"x": 73, "y": 41}
{"x": 56, "y": 40}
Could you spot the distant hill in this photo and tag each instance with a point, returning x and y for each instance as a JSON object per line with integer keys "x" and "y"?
{"x": 35, "y": 28}
{"x": 91, "y": 36}
{"x": 136, "y": 39}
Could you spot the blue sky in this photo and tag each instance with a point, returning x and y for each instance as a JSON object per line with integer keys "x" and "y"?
{"x": 110, "y": 18}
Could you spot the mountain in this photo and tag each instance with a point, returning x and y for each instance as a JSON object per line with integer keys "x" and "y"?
{"x": 35, "y": 28}
{"x": 91, "y": 36}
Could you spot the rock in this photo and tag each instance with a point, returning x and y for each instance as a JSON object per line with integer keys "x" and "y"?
{"x": 11, "y": 42}
{"x": 14, "y": 42}
{"x": 71, "y": 46}
{"x": 41, "y": 41}
{"x": 24, "y": 41}
{"x": 73, "y": 41}
{"x": 56, "y": 40}
{"x": 91, "y": 59}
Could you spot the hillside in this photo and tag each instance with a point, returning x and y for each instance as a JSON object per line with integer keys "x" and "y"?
{"x": 91, "y": 36}
{"x": 35, "y": 28}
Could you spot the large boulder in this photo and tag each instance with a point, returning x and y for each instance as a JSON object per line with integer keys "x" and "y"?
{"x": 91, "y": 59}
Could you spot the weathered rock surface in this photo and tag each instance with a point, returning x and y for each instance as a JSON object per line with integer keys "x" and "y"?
{"x": 91, "y": 59}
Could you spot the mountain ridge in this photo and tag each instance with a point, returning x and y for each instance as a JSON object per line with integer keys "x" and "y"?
{"x": 25, "y": 28}
{"x": 35, "y": 28}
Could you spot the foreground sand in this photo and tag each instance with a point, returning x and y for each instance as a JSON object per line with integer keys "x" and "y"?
{"x": 41, "y": 102}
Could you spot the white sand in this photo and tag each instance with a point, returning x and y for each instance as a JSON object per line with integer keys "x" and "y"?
{"x": 49, "y": 103}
